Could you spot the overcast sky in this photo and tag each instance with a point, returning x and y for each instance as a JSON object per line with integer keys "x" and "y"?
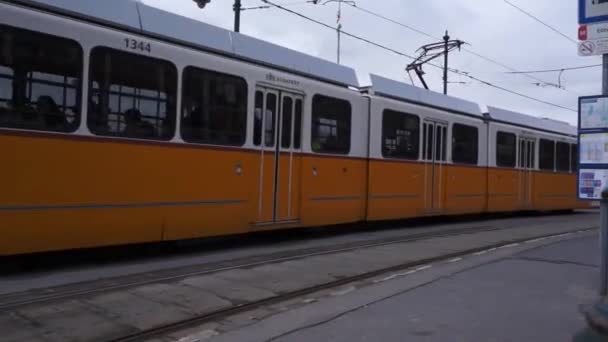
{"x": 492, "y": 28}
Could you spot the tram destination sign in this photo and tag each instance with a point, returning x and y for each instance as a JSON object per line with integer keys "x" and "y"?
{"x": 593, "y": 146}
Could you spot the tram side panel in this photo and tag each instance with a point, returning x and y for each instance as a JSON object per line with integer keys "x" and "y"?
{"x": 396, "y": 189}
{"x": 465, "y": 189}
{"x": 334, "y": 161}
{"x": 466, "y": 177}
{"x": 398, "y": 176}
{"x": 506, "y": 183}
{"x": 64, "y": 190}
{"x": 64, "y": 193}
{"x": 555, "y": 191}
{"x": 554, "y": 185}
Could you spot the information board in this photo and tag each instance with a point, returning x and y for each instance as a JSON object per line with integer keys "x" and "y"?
{"x": 593, "y": 112}
{"x": 593, "y": 146}
{"x": 591, "y": 183}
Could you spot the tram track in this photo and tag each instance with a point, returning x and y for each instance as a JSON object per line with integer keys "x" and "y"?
{"x": 15, "y": 301}
{"x": 198, "y": 320}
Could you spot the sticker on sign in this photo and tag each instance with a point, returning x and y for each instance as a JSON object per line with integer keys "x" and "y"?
{"x": 594, "y": 47}
{"x": 586, "y": 48}
{"x": 594, "y": 31}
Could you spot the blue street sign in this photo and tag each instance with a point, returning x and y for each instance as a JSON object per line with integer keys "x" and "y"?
{"x": 592, "y": 11}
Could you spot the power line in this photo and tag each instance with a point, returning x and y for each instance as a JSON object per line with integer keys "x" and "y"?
{"x": 517, "y": 93}
{"x": 555, "y": 70}
{"x": 293, "y": 3}
{"x": 486, "y": 58}
{"x": 343, "y": 32}
{"x": 456, "y": 71}
{"x": 394, "y": 22}
{"x": 540, "y": 21}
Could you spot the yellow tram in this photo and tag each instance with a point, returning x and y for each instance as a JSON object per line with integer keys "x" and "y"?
{"x": 134, "y": 125}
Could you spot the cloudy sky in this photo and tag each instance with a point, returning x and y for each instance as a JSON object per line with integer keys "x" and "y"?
{"x": 492, "y": 28}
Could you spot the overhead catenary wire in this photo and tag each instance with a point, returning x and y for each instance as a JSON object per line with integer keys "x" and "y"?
{"x": 540, "y": 21}
{"x": 468, "y": 50}
{"x": 378, "y": 15}
{"x": 489, "y": 84}
{"x": 293, "y": 3}
{"x": 556, "y": 70}
{"x": 456, "y": 71}
{"x": 343, "y": 32}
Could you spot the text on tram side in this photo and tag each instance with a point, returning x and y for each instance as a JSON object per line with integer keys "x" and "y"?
{"x": 135, "y": 44}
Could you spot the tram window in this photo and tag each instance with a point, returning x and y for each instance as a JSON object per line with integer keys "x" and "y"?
{"x": 331, "y": 120}
{"x": 465, "y": 144}
{"x": 269, "y": 119}
{"x": 257, "y": 123}
{"x": 400, "y": 135}
{"x": 6, "y": 87}
{"x": 441, "y": 142}
{"x": 547, "y": 155}
{"x": 286, "y": 118}
{"x": 506, "y": 148}
{"x": 573, "y": 157}
{"x": 40, "y": 81}
{"x": 131, "y": 96}
{"x": 562, "y": 153}
{"x": 214, "y": 108}
{"x": 297, "y": 134}
{"x": 427, "y": 140}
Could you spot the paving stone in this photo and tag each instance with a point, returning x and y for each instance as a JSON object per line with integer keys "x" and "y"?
{"x": 74, "y": 321}
{"x": 335, "y": 265}
{"x": 16, "y": 329}
{"x": 245, "y": 319}
{"x": 235, "y": 291}
{"x": 371, "y": 259}
{"x": 198, "y": 333}
{"x": 136, "y": 311}
{"x": 192, "y": 299}
{"x": 277, "y": 278}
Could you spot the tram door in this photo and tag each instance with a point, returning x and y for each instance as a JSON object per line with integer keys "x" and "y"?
{"x": 434, "y": 157}
{"x": 526, "y": 164}
{"x": 278, "y": 133}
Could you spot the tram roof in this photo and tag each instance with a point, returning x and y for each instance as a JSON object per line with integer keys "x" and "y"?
{"x": 520, "y": 119}
{"x": 382, "y": 86}
{"x": 134, "y": 15}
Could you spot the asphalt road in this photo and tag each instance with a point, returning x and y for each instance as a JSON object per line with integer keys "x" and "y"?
{"x": 518, "y": 294}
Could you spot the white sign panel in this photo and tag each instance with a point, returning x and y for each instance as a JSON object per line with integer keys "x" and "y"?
{"x": 591, "y": 183}
{"x": 593, "y": 11}
{"x": 594, "y": 47}
{"x": 594, "y": 113}
{"x": 594, "y": 148}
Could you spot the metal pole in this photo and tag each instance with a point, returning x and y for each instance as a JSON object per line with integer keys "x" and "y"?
{"x": 237, "y": 15}
{"x": 446, "y": 39}
{"x": 604, "y": 207}
{"x": 338, "y": 44}
{"x": 339, "y": 27}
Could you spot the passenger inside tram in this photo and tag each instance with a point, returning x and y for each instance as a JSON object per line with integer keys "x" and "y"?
{"x": 50, "y": 112}
{"x": 136, "y": 126}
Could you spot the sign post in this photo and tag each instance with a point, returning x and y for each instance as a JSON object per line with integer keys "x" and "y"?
{"x": 604, "y": 204}
{"x": 593, "y": 144}
{"x": 593, "y": 164}
{"x": 593, "y": 123}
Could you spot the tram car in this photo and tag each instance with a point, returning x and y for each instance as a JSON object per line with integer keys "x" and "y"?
{"x": 123, "y": 124}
